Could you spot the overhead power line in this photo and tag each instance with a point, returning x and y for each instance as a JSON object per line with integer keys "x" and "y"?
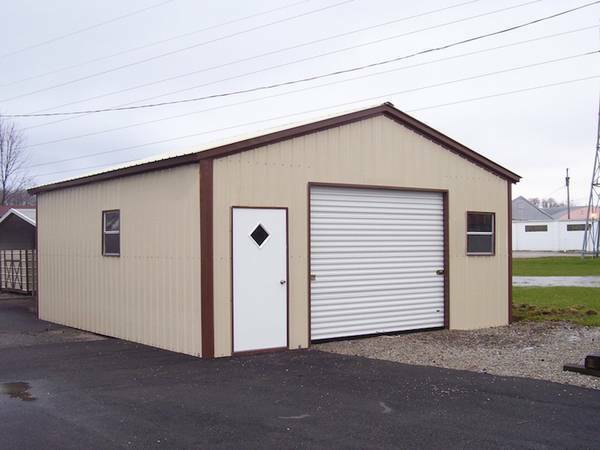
{"x": 83, "y": 30}
{"x": 468, "y": 100}
{"x": 331, "y": 83}
{"x": 276, "y": 66}
{"x": 306, "y": 79}
{"x": 176, "y": 51}
{"x": 152, "y": 44}
{"x": 421, "y": 88}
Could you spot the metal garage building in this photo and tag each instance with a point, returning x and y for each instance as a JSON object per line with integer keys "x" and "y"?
{"x": 363, "y": 223}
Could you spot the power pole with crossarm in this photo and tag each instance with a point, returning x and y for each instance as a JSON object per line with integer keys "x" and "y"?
{"x": 591, "y": 236}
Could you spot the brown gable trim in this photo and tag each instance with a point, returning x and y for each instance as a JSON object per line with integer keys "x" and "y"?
{"x": 386, "y": 109}
{"x": 450, "y": 144}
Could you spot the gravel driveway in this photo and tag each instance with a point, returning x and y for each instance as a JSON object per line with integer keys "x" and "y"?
{"x": 524, "y": 349}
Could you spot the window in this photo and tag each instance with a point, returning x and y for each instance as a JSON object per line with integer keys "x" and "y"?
{"x": 111, "y": 233}
{"x": 259, "y": 235}
{"x": 535, "y": 228}
{"x": 480, "y": 233}
{"x": 577, "y": 227}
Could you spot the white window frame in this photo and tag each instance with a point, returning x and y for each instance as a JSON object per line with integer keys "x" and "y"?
{"x": 491, "y": 233}
{"x": 111, "y": 232}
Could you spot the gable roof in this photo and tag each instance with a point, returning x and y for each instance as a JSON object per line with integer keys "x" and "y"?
{"x": 523, "y": 209}
{"x": 26, "y": 214}
{"x": 556, "y": 211}
{"x": 385, "y": 109}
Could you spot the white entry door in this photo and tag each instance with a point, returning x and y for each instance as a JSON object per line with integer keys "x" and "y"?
{"x": 259, "y": 279}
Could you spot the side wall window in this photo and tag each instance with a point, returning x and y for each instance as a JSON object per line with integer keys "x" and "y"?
{"x": 481, "y": 233}
{"x": 536, "y": 228}
{"x": 111, "y": 233}
{"x": 577, "y": 227}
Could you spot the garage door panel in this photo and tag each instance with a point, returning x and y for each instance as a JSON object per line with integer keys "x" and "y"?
{"x": 374, "y": 257}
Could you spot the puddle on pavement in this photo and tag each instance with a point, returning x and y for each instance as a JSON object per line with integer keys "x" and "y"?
{"x": 18, "y": 390}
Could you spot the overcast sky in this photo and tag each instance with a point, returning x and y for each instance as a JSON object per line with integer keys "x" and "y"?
{"x": 537, "y": 133}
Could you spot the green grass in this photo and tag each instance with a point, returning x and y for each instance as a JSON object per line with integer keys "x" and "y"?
{"x": 556, "y": 266}
{"x": 579, "y": 305}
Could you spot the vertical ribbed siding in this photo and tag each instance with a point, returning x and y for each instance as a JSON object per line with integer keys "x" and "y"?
{"x": 151, "y": 293}
{"x": 376, "y": 151}
{"x": 374, "y": 255}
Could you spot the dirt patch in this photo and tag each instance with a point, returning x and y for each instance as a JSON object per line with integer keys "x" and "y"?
{"x": 524, "y": 349}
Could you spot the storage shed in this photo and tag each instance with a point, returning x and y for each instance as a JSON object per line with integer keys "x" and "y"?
{"x": 366, "y": 222}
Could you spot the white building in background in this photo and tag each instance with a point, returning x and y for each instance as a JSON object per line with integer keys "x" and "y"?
{"x": 535, "y": 229}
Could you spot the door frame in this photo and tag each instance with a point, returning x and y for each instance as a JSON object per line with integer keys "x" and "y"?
{"x": 287, "y": 284}
{"x": 446, "y": 234}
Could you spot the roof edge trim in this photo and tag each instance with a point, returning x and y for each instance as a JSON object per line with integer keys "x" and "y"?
{"x": 386, "y": 109}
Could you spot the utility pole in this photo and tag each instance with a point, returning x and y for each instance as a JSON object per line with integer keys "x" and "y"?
{"x": 591, "y": 239}
{"x": 567, "y": 179}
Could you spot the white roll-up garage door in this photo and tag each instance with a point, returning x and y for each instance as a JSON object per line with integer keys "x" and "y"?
{"x": 375, "y": 259}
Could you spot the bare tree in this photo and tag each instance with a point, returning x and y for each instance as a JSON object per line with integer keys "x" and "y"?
{"x": 13, "y": 158}
{"x": 535, "y": 201}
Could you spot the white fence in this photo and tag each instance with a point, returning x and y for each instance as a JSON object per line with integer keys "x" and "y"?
{"x": 556, "y": 236}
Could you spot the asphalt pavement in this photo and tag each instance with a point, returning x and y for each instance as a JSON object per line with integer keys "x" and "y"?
{"x": 114, "y": 394}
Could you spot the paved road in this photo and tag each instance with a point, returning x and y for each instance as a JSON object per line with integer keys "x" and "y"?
{"x": 557, "y": 281}
{"x": 532, "y": 254}
{"x": 114, "y": 394}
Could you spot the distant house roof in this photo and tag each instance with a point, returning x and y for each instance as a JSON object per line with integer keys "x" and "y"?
{"x": 26, "y": 214}
{"x": 577, "y": 212}
{"x": 555, "y": 212}
{"x": 4, "y": 209}
{"x": 523, "y": 209}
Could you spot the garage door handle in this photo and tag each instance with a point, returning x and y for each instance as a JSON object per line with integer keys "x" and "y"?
{"x": 282, "y": 282}
{"x": 440, "y": 272}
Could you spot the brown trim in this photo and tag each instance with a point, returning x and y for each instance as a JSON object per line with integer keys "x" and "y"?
{"x": 206, "y": 259}
{"x": 36, "y": 264}
{"x": 308, "y": 266}
{"x": 118, "y": 173}
{"x": 445, "y": 206}
{"x": 110, "y": 255}
{"x": 509, "y": 251}
{"x": 494, "y": 233}
{"x": 446, "y": 214}
{"x": 287, "y": 276}
{"x": 386, "y": 109}
{"x": 374, "y": 186}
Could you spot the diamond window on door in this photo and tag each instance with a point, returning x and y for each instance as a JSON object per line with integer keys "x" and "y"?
{"x": 259, "y": 235}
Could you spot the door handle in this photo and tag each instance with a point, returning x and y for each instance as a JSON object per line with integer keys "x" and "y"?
{"x": 439, "y": 272}
{"x": 282, "y": 282}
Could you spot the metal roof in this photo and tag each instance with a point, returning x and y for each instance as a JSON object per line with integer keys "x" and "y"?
{"x": 26, "y": 214}
{"x": 288, "y": 131}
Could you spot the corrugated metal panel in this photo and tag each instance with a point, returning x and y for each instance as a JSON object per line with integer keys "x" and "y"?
{"x": 375, "y": 254}
{"x": 376, "y": 151}
{"x": 151, "y": 293}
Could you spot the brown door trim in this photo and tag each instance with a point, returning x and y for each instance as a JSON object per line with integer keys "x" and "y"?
{"x": 445, "y": 201}
{"x": 446, "y": 208}
{"x": 287, "y": 284}
{"x": 206, "y": 259}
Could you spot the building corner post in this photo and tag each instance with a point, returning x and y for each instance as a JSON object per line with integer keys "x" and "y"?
{"x": 509, "y": 251}
{"x": 206, "y": 259}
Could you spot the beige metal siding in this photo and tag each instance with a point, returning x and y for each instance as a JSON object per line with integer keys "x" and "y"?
{"x": 151, "y": 293}
{"x": 376, "y": 151}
